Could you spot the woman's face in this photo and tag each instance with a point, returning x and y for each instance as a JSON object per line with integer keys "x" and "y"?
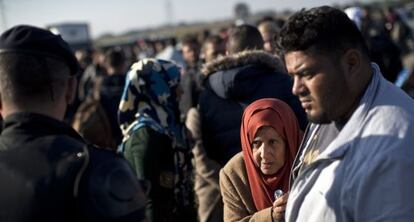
{"x": 268, "y": 150}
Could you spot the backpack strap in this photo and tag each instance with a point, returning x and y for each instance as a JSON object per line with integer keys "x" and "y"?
{"x": 140, "y": 122}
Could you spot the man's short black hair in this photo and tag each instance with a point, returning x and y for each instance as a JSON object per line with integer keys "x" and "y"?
{"x": 25, "y": 77}
{"x": 326, "y": 28}
{"x": 172, "y": 41}
{"x": 190, "y": 40}
{"x": 214, "y": 39}
{"x": 115, "y": 58}
{"x": 265, "y": 19}
{"x": 244, "y": 37}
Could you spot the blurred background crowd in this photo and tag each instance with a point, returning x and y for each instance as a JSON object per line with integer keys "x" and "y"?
{"x": 203, "y": 51}
{"x": 387, "y": 26}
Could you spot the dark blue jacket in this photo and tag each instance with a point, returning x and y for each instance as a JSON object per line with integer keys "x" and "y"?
{"x": 232, "y": 83}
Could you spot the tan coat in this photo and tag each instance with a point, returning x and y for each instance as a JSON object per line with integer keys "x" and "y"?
{"x": 237, "y": 197}
{"x": 206, "y": 184}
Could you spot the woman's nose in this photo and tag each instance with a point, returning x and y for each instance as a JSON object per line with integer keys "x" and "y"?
{"x": 265, "y": 151}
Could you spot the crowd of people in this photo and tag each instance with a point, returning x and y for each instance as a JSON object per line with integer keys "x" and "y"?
{"x": 304, "y": 119}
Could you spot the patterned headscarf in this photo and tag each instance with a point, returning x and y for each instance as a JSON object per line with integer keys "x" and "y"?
{"x": 278, "y": 115}
{"x": 149, "y": 99}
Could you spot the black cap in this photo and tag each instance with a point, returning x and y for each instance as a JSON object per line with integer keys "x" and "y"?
{"x": 32, "y": 40}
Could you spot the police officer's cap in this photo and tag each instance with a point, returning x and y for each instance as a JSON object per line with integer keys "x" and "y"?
{"x": 39, "y": 42}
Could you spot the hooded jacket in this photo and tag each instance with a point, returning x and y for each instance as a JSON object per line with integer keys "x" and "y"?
{"x": 231, "y": 83}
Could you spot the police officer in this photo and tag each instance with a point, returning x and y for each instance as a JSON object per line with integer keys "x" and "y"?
{"x": 47, "y": 171}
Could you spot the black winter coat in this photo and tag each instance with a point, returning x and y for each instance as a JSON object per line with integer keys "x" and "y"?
{"x": 232, "y": 83}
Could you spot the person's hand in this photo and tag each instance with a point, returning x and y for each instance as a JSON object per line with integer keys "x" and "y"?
{"x": 279, "y": 207}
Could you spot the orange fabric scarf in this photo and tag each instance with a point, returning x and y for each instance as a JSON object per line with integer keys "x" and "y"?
{"x": 277, "y": 114}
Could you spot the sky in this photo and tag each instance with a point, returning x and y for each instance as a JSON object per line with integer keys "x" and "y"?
{"x": 119, "y": 16}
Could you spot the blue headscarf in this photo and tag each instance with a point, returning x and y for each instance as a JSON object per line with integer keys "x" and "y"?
{"x": 150, "y": 99}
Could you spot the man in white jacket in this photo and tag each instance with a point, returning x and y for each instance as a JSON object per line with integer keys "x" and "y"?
{"x": 356, "y": 162}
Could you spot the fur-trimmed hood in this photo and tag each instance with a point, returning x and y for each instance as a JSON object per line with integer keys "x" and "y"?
{"x": 240, "y": 75}
{"x": 249, "y": 57}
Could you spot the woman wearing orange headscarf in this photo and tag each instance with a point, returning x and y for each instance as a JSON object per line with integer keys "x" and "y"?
{"x": 270, "y": 137}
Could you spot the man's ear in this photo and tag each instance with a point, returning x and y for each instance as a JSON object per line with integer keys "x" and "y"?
{"x": 353, "y": 61}
{"x": 71, "y": 90}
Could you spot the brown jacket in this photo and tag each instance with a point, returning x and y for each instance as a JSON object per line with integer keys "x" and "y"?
{"x": 206, "y": 184}
{"x": 237, "y": 197}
